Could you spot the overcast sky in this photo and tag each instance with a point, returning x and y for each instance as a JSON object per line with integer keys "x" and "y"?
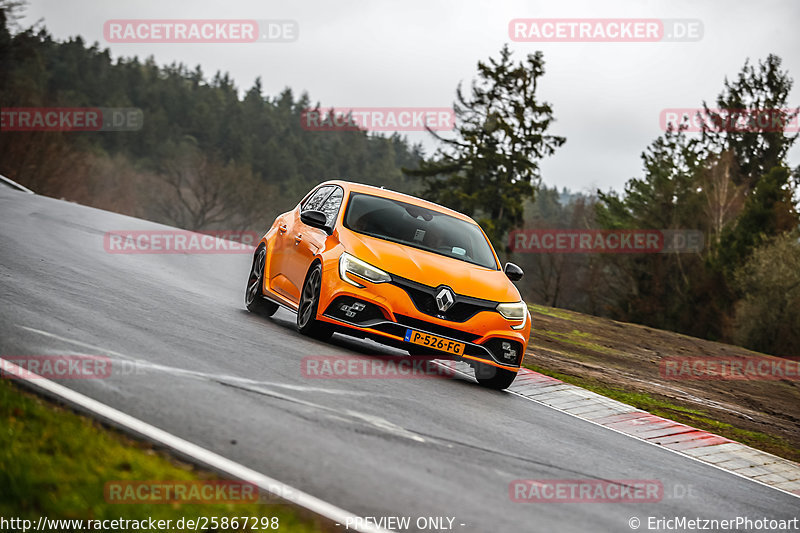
{"x": 606, "y": 96}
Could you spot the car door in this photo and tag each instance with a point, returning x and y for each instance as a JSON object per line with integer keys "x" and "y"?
{"x": 283, "y": 260}
{"x": 308, "y": 240}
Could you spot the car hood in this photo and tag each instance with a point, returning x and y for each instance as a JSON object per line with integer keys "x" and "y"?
{"x": 430, "y": 269}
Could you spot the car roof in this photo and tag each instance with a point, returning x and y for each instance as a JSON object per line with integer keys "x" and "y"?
{"x": 350, "y": 186}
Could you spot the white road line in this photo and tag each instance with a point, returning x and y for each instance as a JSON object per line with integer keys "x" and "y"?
{"x": 676, "y": 452}
{"x": 144, "y": 364}
{"x": 103, "y": 351}
{"x": 14, "y": 185}
{"x": 255, "y": 386}
{"x": 207, "y": 457}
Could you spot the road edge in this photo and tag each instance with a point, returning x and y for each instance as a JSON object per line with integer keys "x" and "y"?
{"x": 185, "y": 449}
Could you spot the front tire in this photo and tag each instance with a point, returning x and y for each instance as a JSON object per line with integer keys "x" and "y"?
{"x": 307, "y": 322}
{"x": 493, "y": 377}
{"x": 253, "y": 297}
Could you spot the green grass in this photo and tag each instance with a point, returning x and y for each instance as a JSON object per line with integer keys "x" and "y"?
{"x": 693, "y": 417}
{"x": 550, "y": 311}
{"x": 559, "y": 313}
{"x": 55, "y": 463}
{"x": 576, "y": 338}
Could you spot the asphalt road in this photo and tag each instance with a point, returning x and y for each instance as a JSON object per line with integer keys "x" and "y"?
{"x": 202, "y": 367}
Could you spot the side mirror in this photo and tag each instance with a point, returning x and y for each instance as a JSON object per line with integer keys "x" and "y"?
{"x": 315, "y": 219}
{"x": 513, "y": 272}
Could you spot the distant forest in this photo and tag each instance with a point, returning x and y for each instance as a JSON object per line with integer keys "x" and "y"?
{"x": 205, "y": 157}
{"x": 210, "y": 156}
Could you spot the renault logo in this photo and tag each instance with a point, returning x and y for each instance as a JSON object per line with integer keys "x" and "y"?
{"x": 445, "y": 299}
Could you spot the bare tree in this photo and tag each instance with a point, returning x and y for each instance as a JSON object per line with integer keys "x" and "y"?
{"x": 196, "y": 191}
{"x": 724, "y": 198}
{"x": 202, "y": 192}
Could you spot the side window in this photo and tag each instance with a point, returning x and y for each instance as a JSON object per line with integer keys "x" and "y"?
{"x": 316, "y": 199}
{"x": 332, "y": 204}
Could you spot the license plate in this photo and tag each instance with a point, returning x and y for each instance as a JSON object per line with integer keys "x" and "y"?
{"x": 432, "y": 341}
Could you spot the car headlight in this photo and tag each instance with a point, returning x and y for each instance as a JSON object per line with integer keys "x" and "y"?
{"x": 352, "y": 265}
{"x": 513, "y": 311}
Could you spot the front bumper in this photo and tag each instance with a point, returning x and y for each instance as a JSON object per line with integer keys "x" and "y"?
{"x": 386, "y": 311}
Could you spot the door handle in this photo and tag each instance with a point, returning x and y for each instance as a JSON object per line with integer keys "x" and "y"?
{"x": 282, "y": 229}
{"x": 298, "y": 238}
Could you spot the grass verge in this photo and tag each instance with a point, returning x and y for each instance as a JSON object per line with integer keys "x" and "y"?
{"x": 692, "y": 417}
{"x": 55, "y": 463}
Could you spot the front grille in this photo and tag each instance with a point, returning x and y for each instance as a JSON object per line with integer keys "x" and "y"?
{"x": 436, "y": 329}
{"x": 424, "y": 298}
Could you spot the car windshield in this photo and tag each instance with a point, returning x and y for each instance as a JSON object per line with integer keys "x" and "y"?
{"x": 419, "y": 227}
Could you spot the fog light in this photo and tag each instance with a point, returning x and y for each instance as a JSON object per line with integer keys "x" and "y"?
{"x": 509, "y": 353}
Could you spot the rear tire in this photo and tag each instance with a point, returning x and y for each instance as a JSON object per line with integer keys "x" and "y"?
{"x": 493, "y": 377}
{"x": 253, "y": 296}
{"x": 307, "y": 322}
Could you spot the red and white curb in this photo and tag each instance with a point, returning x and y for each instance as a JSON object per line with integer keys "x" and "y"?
{"x": 707, "y": 447}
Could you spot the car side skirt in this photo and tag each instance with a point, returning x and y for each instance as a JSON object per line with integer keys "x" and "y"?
{"x": 278, "y": 299}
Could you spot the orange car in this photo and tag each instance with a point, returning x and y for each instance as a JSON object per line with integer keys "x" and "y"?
{"x": 397, "y": 269}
